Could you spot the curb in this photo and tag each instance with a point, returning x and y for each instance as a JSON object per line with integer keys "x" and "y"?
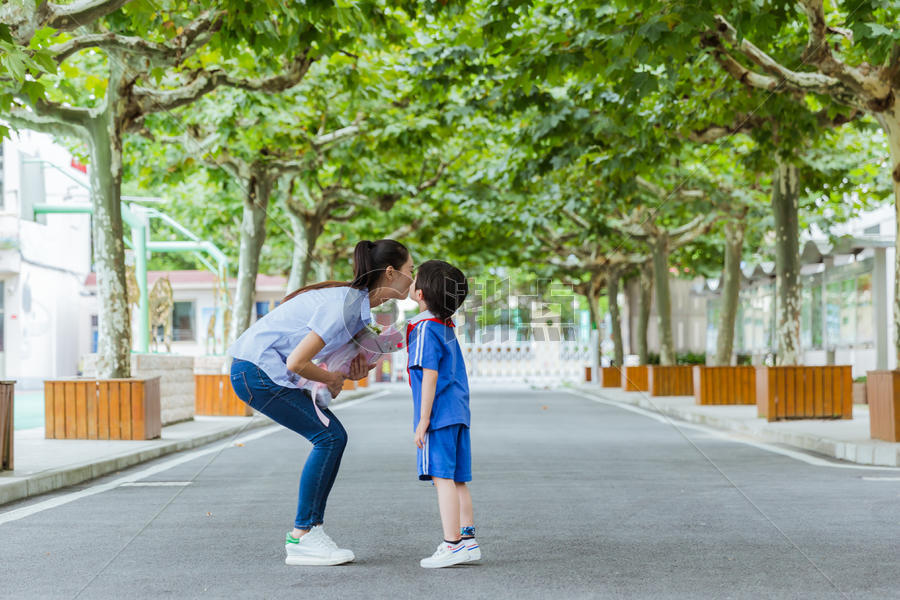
{"x": 872, "y": 452}
{"x": 53, "y": 479}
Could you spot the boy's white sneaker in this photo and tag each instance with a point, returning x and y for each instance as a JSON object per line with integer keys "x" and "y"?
{"x": 473, "y": 548}
{"x": 315, "y": 549}
{"x": 446, "y": 555}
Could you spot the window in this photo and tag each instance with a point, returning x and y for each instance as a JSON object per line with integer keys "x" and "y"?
{"x": 816, "y": 324}
{"x": 841, "y": 312}
{"x": 865, "y": 329}
{"x": 262, "y": 309}
{"x": 94, "y": 333}
{"x": 2, "y": 187}
{"x": 183, "y": 322}
{"x": 848, "y": 311}
{"x": 811, "y": 317}
{"x": 833, "y": 313}
{"x": 2, "y": 298}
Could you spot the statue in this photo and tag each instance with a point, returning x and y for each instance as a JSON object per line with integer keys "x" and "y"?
{"x": 161, "y": 305}
{"x": 211, "y": 334}
{"x": 132, "y": 289}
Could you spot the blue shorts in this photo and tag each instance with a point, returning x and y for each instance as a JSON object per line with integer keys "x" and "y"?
{"x": 447, "y": 454}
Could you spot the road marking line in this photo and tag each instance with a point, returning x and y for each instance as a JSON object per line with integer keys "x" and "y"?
{"x": 881, "y": 478}
{"x": 157, "y": 484}
{"x": 27, "y": 511}
{"x": 795, "y": 454}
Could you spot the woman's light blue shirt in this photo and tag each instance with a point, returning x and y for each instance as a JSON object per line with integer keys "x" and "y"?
{"x": 336, "y": 314}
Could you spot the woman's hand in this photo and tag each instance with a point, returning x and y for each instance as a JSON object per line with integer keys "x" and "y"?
{"x": 336, "y": 384}
{"x": 359, "y": 368}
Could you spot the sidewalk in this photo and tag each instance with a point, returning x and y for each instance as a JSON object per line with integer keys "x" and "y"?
{"x": 841, "y": 439}
{"x": 44, "y": 465}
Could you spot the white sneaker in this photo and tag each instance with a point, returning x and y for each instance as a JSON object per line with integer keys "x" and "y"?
{"x": 315, "y": 549}
{"x": 446, "y": 555}
{"x": 473, "y": 548}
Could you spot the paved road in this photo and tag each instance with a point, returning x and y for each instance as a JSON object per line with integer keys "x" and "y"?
{"x": 573, "y": 499}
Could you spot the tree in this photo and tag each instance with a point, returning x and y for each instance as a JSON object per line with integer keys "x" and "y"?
{"x": 99, "y": 98}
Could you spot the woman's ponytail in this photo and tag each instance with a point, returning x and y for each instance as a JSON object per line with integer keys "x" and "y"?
{"x": 370, "y": 259}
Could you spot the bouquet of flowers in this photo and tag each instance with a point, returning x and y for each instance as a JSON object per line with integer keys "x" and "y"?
{"x": 371, "y": 342}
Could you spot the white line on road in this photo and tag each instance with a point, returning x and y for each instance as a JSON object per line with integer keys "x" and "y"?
{"x": 27, "y": 511}
{"x": 801, "y": 456}
{"x": 881, "y": 478}
{"x": 157, "y": 484}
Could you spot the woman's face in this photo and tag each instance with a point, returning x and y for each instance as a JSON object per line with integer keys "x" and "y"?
{"x": 396, "y": 282}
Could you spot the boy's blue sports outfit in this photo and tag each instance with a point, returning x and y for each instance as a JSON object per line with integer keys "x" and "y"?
{"x": 433, "y": 345}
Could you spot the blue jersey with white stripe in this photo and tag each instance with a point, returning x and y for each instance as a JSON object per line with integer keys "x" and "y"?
{"x": 433, "y": 345}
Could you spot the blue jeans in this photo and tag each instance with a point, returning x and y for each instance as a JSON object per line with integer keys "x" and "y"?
{"x": 294, "y": 409}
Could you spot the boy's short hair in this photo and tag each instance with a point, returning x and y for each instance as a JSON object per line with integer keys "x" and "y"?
{"x": 444, "y": 287}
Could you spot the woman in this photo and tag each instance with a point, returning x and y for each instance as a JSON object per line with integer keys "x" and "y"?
{"x": 271, "y": 356}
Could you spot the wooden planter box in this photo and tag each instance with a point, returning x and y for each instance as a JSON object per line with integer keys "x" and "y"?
{"x": 610, "y": 377}
{"x": 587, "y": 374}
{"x": 883, "y": 394}
{"x": 635, "y": 379}
{"x": 214, "y": 396}
{"x": 725, "y": 385}
{"x": 859, "y": 392}
{"x": 7, "y": 426}
{"x": 102, "y": 409}
{"x": 670, "y": 380}
{"x": 804, "y": 392}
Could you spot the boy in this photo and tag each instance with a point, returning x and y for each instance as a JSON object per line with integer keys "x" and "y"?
{"x": 440, "y": 388}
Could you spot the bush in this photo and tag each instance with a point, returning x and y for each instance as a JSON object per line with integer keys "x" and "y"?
{"x": 683, "y": 358}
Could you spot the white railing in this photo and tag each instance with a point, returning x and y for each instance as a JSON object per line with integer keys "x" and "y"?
{"x": 540, "y": 363}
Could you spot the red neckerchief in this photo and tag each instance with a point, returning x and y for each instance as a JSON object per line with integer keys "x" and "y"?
{"x": 409, "y": 330}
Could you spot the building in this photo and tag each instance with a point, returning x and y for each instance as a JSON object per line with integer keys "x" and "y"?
{"x": 48, "y": 303}
{"x": 848, "y": 289}
{"x": 689, "y": 314}
{"x": 43, "y": 260}
{"x": 194, "y": 299}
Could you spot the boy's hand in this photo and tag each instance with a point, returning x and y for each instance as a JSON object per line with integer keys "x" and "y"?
{"x": 421, "y": 430}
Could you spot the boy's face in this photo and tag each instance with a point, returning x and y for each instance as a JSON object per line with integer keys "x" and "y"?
{"x": 416, "y": 295}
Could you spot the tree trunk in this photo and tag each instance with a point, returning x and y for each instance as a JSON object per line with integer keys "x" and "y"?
{"x": 306, "y": 234}
{"x": 596, "y": 321}
{"x": 253, "y": 234}
{"x": 114, "y": 323}
{"x": 297, "y": 278}
{"x": 731, "y": 287}
{"x": 660, "y": 247}
{"x": 612, "y": 291}
{"x": 785, "y": 192}
{"x": 646, "y": 287}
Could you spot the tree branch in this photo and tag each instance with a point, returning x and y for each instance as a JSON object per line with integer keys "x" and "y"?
{"x": 712, "y": 133}
{"x": 24, "y": 20}
{"x": 576, "y": 218}
{"x": 844, "y": 84}
{"x": 204, "y": 81}
{"x": 67, "y": 114}
{"x": 24, "y": 119}
{"x": 108, "y": 41}
{"x": 686, "y": 234}
{"x": 404, "y": 230}
{"x": 632, "y": 228}
{"x": 662, "y": 194}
